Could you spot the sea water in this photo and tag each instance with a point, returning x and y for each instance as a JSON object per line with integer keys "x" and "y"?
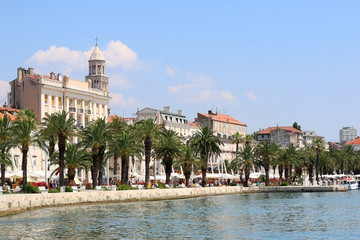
{"x": 241, "y": 216}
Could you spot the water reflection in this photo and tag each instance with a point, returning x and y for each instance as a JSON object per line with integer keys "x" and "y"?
{"x": 247, "y": 216}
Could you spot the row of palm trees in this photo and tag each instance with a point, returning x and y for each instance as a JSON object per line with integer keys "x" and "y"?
{"x": 100, "y": 140}
{"x": 289, "y": 160}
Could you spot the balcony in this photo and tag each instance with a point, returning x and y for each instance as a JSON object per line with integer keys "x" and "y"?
{"x": 72, "y": 109}
{"x": 80, "y": 110}
{"x": 88, "y": 112}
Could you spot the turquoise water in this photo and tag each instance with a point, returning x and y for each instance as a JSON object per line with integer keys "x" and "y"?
{"x": 242, "y": 216}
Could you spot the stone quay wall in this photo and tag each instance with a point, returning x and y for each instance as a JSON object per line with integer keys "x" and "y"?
{"x": 15, "y": 203}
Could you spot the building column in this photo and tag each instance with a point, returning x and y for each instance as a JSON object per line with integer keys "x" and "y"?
{"x": 83, "y": 114}
{"x": 106, "y": 111}
{"x": 95, "y": 112}
{"x": 42, "y": 106}
{"x": 100, "y": 111}
{"x": 66, "y": 107}
{"x": 75, "y": 114}
{"x": 91, "y": 111}
{"x": 49, "y": 104}
{"x": 56, "y": 103}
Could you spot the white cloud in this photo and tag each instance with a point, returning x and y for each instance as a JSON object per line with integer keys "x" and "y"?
{"x": 117, "y": 99}
{"x": 200, "y": 88}
{"x": 4, "y": 89}
{"x": 68, "y": 61}
{"x": 228, "y": 96}
{"x": 251, "y": 96}
{"x": 120, "y": 81}
{"x": 171, "y": 71}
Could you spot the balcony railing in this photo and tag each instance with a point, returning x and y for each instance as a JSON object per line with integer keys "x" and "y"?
{"x": 88, "y": 111}
{"x": 72, "y": 109}
{"x": 80, "y": 110}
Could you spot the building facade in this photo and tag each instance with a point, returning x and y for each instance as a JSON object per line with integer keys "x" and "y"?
{"x": 283, "y": 136}
{"x": 347, "y": 134}
{"x": 84, "y": 100}
{"x": 223, "y": 126}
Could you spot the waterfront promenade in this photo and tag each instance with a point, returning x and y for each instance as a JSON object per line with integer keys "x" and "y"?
{"x": 15, "y": 203}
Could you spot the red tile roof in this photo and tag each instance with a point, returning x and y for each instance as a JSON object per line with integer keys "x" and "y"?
{"x": 354, "y": 142}
{"x": 269, "y": 129}
{"x": 223, "y": 118}
{"x": 193, "y": 124}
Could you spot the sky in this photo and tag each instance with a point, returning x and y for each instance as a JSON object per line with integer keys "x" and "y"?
{"x": 265, "y": 63}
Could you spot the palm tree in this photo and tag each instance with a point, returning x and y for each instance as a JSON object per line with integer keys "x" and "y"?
{"x": 286, "y": 158}
{"x": 125, "y": 144}
{"x": 95, "y": 137}
{"x": 117, "y": 126}
{"x": 168, "y": 147}
{"x": 147, "y": 131}
{"x": 245, "y": 160}
{"x": 23, "y": 136}
{"x": 237, "y": 138}
{"x": 5, "y": 130}
{"x": 75, "y": 158}
{"x": 189, "y": 161}
{"x": 62, "y": 126}
{"x": 206, "y": 144}
{"x": 266, "y": 152}
{"x": 318, "y": 145}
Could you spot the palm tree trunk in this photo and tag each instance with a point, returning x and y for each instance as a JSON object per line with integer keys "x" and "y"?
{"x": 267, "y": 179}
{"x": 94, "y": 167}
{"x": 281, "y": 170}
{"x": 115, "y": 164}
{"x": 310, "y": 172}
{"x": 2, "y": 174}
{"x": 168, "y": 170}
{"x": 101, "y": 167}
{"x": 187, "y": 177}
{"x": 148, "y": 144}
{"x": 62, "y": 146}
{"x": 71, "y": 174}
{"x": 317, "y": 167}
{"x": 286, "y": 172}
{"x": 24, "y": 164}
{"x": 203, "y": 172}
{"x": 247, "y": 175}
{"x": 124, "y": 169}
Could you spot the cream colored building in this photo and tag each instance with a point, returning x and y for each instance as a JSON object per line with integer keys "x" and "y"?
{"x": 85, "y": 100}
{"x": 223, "y": 126}
{"x": 283, "y": 136}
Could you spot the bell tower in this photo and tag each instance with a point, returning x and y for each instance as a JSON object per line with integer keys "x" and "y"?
{"x": 97, "y": 70}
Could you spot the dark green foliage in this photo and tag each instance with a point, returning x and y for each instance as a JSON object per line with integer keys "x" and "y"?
{"x": 54, "y": 190}
{"x": 298, "y": 127}
{"x": 123, "y": 187}
{"x": 284, "y": 184}
{"x": 68, "y": 189}
{"x": 31, "y": 189}
{"x": 161, "y": 185}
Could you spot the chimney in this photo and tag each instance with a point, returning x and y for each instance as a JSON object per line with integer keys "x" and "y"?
{"x": 167, "y": 109}
{"x": 52, "y": 76}
{"x": 210, "y": 112}
{"x": 31, "y": 71}
{"x": 59, "y": 77}
{"x": 180, "y": 112}
{"x": 20, "y": 73}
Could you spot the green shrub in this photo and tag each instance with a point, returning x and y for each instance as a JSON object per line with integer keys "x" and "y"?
{"x": 54, "y": 190}
{"x": 68, "y": 189}
{"x": 232, "y": 184}
{"x": 160, "y": 185}
{"x": 31, "y": 189}
{"x": 6, "y": 192}
{"x": 284, "y": 184}
{"x": 262, "y": 178}
{"x": 123, "y": 187}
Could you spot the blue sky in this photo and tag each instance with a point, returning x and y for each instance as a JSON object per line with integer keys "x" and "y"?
{"x": 266, "y": 63}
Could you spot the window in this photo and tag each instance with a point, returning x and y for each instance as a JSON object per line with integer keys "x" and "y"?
{"x": 34, "y": 158}
{"x": 93, "y": 71}
{"x": 52, "y": 100}
{"x": 16, "y": 160}
{"x": 46, "y": 99}
{"x": 59, "y": 99}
